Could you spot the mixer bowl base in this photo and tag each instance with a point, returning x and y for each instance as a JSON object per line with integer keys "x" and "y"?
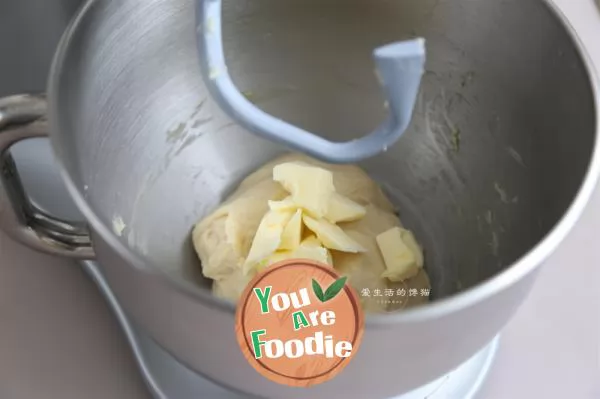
{"x": 166, "y": 378}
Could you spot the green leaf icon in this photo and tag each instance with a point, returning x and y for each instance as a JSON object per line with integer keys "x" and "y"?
{"x": 334, "y": 289}
{"x": 331, "y": 292}
{"x": 318, "y": 290}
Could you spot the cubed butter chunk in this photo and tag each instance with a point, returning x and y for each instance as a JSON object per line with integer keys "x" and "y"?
{"x": 311, "y": 187}
{"x": 292, "y": 233}
{"x": 267, "y": 238}
{"x": 311, "y": 241}
{"x": 401, "y": 253}
{"x": 286, "y": 204}
{"x": 342, "y": 209}
{"x": 275, "y": 257}
{"x": 308, "y": 249}
{"x": 321, "y": 253}
{"x": 332, "y": 236}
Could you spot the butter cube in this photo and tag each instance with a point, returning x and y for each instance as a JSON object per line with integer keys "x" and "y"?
{"x": 401, "y": 253}
{"x": 308, "y": 249}
{"x": 311, "y": 241}
{"x": 292, "y": 233}
{"x": 342, "y": 209}
{"x": 267, "y": 238}
{"x": 286, "y": 204}
{"x": 332, "y": 236}
{"x": 311, "y": 187}
{"x": 275, "y": 257}
{"x": 319, "y": 254}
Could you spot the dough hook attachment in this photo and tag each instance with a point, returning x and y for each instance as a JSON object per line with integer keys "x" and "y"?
{"x": 400, "y": 67}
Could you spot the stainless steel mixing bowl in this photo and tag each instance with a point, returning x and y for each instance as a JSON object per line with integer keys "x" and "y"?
{"x": 499, "y": 162}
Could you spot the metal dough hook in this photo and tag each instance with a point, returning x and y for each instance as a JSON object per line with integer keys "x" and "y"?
{"x": 400, "y": 67}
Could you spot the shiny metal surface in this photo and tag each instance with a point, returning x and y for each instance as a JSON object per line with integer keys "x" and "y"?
{"x": 398, "y": 66}
{"x": 164, "y": 376}
{"x": 24, "y": 117}
{"x": 501, "y": 159}
{"x": 167, "y": 379}
{"x": 29, "y": 33}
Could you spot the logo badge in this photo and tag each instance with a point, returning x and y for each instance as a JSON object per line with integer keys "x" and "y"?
{"x": 298, "y": 323}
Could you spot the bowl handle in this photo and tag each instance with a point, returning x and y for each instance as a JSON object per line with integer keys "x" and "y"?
{"x": 400, "y": 67}
{"x": 23, "y": 117}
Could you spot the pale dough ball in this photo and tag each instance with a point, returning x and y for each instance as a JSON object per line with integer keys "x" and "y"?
{"x": 223, "y": 239}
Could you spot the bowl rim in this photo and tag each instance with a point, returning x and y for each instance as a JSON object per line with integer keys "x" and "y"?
{"x": 525, "y": 265}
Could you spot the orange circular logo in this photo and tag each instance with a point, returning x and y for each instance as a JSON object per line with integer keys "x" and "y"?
{"x": 298, "y": 323}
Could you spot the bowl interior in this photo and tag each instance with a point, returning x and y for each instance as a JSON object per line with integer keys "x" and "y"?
{"x": 500, "y": 141}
